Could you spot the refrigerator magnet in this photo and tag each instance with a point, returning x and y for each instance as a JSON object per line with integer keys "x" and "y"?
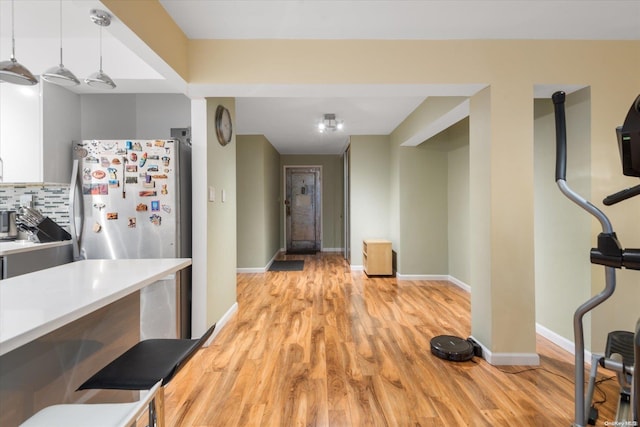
{"x": 152, "y": 168}
{"x": 166, "y": 208}
{"x": 164, "y": 189}
{"x": 166, "y": 160}
{"x": 131, "y": 180}
{"x": 81, "y": 153}
{"x": 133, "y": 157}
{"x": 128, "y": 145}
{"x": 155, "y": 219}
{"x": 91, "y": 159}
{"x": 97, "y": 227}
{"x": 148, "y": 193}
{"x": 112, "y": 215}
{"x": 155, "y": 205}
{"x": 143, "y": 159}
{"x": 131, "y": 222}
{"x": 159, "y": 176}
{"x": 131, "y": 168}
{"x": 98, "y": 174}
{"x": 105, "y": 162}
{"x": 99, "y": 206}
{"x": 121, "y": 152}
{"x": 150, "y": 184}
{"x": 141, "y": 207}
{"x": 116, "y": 161}
{"x": 159, "y": 143}
{"x": 137, "y": 146}
{"x": 86, "y": 174}
{"x": 112, "y": 173}
{"x": 154, "y": 157}
{"x": 114, "y": 183}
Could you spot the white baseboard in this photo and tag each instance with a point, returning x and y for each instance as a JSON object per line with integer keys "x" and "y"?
{"x": 258, "y": 269}
{"x": 446, "y": 277}
{"x": 222, "y": 322}
{"x": 332, "y": 249}
{"x": 561, "y": 342}
{"x": 357, "y": 267}
{"x": 513, "y": 359}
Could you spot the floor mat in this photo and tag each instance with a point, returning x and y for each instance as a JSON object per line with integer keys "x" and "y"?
{"x": 288, "y": 265}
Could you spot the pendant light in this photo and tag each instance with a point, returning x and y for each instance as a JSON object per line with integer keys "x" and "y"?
{"x": 100, "y": 79}
{"x": 59, "y": 74}
{"x": 12, "y": 71}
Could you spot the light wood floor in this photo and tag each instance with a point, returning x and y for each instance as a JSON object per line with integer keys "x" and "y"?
{"x": 331, "y": 347}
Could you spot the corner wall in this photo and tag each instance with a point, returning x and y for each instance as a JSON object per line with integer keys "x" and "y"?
{"x": 257, "y": 174}
{"x": 370, "y": 192}
{"x": 562, "y": 230}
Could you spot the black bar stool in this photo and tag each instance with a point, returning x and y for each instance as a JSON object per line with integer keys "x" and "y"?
{"x": 147, "y": 362}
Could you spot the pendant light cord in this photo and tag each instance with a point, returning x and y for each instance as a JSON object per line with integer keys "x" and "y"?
{"x": 60, "y": 33}
{"x": 100, "y": 48}
{"x": 13, "y": 36}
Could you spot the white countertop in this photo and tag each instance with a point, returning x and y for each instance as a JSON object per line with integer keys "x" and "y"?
{"x": 35, "y": 304}
{"x": 10, "y": 247}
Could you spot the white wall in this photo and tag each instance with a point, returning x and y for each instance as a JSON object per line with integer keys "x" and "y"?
{"x": 60, "y": 126}
{"x": 21, "y": 133}
{"x": 141, "y": 116}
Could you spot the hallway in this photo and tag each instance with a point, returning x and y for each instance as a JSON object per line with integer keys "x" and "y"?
{"x": 331, "y": 347}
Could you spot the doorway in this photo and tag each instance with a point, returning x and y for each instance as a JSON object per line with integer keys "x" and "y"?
{"x": 303, "y": 188}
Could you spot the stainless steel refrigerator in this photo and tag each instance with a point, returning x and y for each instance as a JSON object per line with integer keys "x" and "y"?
{"x": 132, "y": 199}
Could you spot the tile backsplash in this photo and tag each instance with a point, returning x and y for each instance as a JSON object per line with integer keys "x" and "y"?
{"x": 51, "y": 200}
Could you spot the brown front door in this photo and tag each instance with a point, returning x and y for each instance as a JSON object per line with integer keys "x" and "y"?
{"x": 302, "y": 209}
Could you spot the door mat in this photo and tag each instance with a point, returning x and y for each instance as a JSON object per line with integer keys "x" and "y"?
{"x": 289, "y": 265}
{"x": 302, "y": 251}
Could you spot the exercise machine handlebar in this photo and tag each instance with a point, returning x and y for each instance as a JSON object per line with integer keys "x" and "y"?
{"x": 581, "y": 406}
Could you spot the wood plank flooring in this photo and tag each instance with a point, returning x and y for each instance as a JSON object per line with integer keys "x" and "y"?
{"x": 331, "y": 347}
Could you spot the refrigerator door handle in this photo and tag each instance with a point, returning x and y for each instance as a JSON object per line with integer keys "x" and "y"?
{"x": 76, "y": 235}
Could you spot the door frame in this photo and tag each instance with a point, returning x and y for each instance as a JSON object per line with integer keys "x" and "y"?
{"x": 284, "y": 197}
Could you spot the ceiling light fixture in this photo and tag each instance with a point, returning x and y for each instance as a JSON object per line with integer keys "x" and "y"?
{"x": 59, "y": 74}
{"x": 12, "y": 71}
{"x": 329, "y": 123}
{"x": 100, "y": 79}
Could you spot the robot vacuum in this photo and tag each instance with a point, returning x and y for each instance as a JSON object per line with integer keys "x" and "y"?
{"x": 452, "y": 348}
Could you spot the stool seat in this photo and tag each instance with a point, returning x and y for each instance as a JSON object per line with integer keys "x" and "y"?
{"x": 146, "y": 363}
{"x": 93, "y": 414}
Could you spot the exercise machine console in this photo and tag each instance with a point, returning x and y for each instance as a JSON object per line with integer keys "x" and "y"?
{"x": 610, "y": 254}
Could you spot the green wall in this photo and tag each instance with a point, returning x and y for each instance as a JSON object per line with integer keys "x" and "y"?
{"x": 562, "y": 230}
{"x": 370, "y": 191}
{"x": 221, "y": 218}
{"x": 258, "y": 174}
{"x": 423, "y": 211}
{"x": 332, "y": 195}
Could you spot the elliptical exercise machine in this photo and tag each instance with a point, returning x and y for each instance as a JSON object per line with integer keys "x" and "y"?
{"x": 610, "y": 254}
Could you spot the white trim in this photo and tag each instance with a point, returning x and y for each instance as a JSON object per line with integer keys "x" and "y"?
{"x": 512, "y": 359}
{"x": 332, "y": 249}
{"x": 446, "y": 277}
{"x": 422, "y": 276}
{"x": 222, "y": 322}
{"x": 561, "y": 342}
{"x": 251, "y": 269}
{"x": 460, "y": 284}
{"x": 357, "y": 267}
{"x": 258, "y": 269}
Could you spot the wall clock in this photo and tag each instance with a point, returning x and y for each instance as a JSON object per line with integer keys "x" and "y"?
{"x": 224, "y": 127}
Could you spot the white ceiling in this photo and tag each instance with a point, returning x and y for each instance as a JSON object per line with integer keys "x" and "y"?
{"x": 288, "y": 115}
